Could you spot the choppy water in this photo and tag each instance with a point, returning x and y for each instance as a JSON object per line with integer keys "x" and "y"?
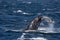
{"x": 17, "y": 14}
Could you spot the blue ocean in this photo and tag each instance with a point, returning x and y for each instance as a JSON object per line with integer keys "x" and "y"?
{"x": 17, "y": 14}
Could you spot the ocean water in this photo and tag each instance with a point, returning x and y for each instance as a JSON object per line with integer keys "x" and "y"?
{"x": 17, "y": 14}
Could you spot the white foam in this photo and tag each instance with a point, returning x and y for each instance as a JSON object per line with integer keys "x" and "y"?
{"x": 38, "y": 38}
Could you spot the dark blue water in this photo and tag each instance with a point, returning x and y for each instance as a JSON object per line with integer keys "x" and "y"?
{"x": 17, "y": 14}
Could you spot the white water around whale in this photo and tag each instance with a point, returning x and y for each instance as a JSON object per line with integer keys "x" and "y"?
{"x": 38, "y": 38}
{"x": 50, "y": 28}
{"x": 22, "y": 36}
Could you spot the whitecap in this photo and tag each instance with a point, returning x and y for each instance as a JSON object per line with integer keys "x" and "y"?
{"x": 37, "y": 38}
{"x": 27, "y": 2}
{"x": 27, "y": 13}
{"x": 19, "y": 11}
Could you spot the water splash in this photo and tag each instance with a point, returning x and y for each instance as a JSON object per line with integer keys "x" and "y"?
{"x": 22, "y": 37}
{"x": 50, "y": 28}
{"x": 37, "y": 38}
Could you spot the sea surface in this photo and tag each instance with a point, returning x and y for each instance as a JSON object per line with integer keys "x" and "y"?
{"x": 17, "y": 14}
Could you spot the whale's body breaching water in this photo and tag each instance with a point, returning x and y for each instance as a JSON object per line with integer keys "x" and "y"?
{"x": 34, "y": 25}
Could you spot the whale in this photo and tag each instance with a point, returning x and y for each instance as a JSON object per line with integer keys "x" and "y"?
{"x": 35, "y": 24}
